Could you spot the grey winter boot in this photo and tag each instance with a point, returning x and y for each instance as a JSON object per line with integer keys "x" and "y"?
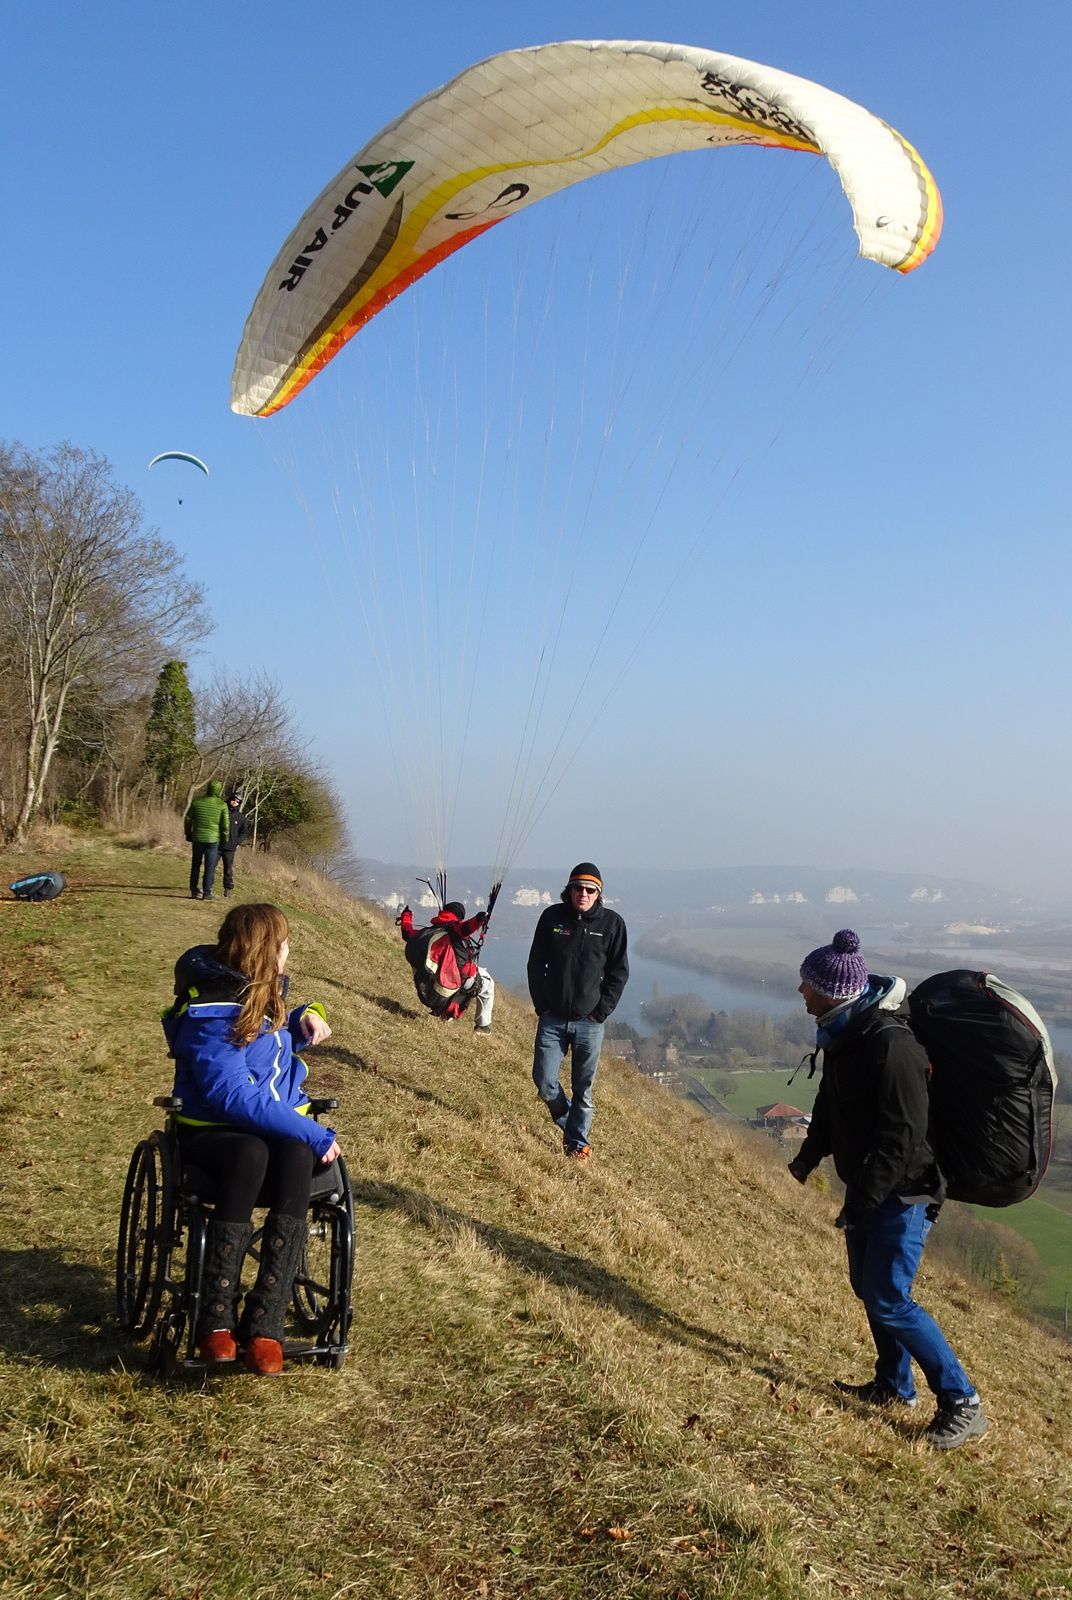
{"x": 225, "y": 1246}
{"x": 265, "y": 1310}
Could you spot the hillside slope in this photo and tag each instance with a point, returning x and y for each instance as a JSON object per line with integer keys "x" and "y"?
{"x": 613, "y": 1381}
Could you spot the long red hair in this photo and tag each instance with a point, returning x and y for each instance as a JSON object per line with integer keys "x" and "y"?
{"x": 249, "y": 940}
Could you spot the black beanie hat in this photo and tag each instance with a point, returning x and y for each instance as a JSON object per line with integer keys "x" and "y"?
{"x": 587, "y": 872}
{"x": 456, "y": 909}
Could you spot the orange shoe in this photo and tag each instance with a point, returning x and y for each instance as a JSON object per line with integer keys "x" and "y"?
{"x": 217, "y": 1347}
{"x": 264, "y": 1357}
{"x": 581, "y": 1153}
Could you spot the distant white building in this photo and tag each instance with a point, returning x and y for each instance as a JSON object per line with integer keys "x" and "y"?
{"x": 531, "y": 897}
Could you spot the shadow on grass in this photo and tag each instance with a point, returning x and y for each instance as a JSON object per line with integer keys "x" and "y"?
{"x": 566, "y": 1270}
{"x": 340, "y": 1056}
{"x": 57, "y": 1312}
{"x": 128, "y": 888}
{"x": 394, "y": 1008}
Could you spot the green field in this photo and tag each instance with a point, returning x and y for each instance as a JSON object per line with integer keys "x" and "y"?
{"x": 1047, "y": 1226}
{"x": 751, "y": 1089}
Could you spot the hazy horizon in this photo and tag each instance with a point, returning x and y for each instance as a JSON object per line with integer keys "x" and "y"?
{"x": 761, "y": 872}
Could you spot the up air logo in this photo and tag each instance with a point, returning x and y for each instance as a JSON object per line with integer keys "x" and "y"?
{"x": 381, "y": 177}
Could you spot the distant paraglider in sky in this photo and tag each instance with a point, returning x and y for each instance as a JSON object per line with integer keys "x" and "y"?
{"x": 179, "y": 455}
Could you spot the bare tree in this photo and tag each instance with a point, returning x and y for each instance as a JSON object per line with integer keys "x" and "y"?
{"x": 99, "y": 761}
{"x": 87, "y": 594}
{"x": 243, "y": 724}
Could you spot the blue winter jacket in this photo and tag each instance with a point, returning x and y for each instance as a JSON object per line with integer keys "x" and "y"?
{"x": 258, "y": 1086}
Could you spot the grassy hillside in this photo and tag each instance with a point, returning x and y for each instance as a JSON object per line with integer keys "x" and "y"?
{"x": 1045, "y": 1221}
{"x": 612, "y": 1381}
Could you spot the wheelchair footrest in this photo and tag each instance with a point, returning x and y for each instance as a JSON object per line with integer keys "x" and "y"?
{"x": 293, "y": 1350}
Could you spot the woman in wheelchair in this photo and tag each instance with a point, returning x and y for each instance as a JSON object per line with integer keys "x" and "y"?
{"x": 244, "y": 1122}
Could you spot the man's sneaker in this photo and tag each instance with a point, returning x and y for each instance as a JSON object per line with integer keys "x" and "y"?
{"x": 954, "y": 1423}
{"x": 874, "y": 1393}
{"x": 482, "y": 1027}
{"x": 581, "y": 1153}
{"x": 195, "y": 894}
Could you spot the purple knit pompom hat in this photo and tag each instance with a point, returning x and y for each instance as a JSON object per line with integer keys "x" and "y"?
{"x": 835, "y": 969}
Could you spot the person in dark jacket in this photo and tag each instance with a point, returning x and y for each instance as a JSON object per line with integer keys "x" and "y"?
{"x": 206, "y": 826}
{"x": 578, "y": 966}
{"x": 245, "y": 1121}
{"x": 871, "y": 1115}
{"x": 445, "y": 969}
{"x": 237, "y": 833}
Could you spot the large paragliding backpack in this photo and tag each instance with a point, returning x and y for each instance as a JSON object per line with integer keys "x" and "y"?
{"x": 429, "y": 978}
{"x": 992, "y": 1085}
{"x": 39, "y": 886}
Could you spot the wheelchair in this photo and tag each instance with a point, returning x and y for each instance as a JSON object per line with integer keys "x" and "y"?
{"x": 163, "y": 1230}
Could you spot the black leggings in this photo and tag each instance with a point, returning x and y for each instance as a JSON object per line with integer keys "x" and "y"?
{"x": 243, "y": 1165}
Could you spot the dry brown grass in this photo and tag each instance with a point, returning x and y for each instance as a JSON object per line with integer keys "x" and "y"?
{"x": 602, "y": 1382}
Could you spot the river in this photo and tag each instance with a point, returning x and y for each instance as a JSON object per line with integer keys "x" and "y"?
{"x": 506, "y": 960}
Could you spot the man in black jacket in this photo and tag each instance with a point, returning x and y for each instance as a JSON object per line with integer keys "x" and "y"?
{"x": 578, "y": 967}
{"x": 871, "y": 1115}
{"x": 238, "y": 834}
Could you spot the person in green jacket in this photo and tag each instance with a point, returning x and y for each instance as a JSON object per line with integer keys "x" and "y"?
{"x": 207, "y": 826}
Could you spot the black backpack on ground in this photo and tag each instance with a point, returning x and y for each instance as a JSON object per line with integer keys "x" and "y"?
{"x": 39, "y": 886}
{"x": 992, "y": 1085}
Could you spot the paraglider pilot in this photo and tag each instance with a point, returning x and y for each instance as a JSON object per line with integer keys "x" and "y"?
{"x": 446, "y": 972}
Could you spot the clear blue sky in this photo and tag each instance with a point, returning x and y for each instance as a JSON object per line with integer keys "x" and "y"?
{"x": 867, "y": 662}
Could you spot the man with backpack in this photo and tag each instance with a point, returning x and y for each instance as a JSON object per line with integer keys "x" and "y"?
{"x": 446, "y": 973}
{"x": 207, "y": 827}
{"x": 871, "y": 1114}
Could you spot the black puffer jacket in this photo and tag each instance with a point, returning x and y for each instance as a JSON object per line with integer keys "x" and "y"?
{"x": 872, "y": 1109}
{"x": 578, "y": 963}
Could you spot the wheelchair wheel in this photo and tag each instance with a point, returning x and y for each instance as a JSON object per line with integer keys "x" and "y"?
{"x": 145, "y": 1234}
{"x": 321, "y": 1297}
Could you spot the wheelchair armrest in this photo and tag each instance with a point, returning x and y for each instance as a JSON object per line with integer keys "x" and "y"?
{"x": 168, "y": 1102}
{"x": 318, "y": 1107}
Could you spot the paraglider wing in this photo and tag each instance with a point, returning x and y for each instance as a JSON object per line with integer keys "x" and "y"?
{"x": 524, "y": 125}
{"x": 180, "y": 455}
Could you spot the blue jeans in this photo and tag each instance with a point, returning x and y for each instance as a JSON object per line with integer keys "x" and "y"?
{"x": 208, "y": 854}
{"x": 555, "y": 1039}
{"x": 884, "y": 1255}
